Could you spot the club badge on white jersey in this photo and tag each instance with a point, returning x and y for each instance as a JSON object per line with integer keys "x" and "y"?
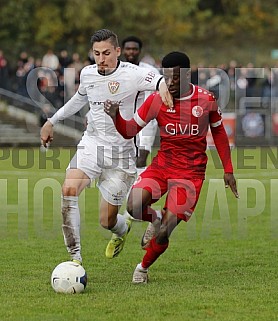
{"x": 113, "y": 86}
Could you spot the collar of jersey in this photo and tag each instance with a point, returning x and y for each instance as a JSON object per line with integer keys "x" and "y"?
{"x": 112, "y": 72}
{"x": 189, "y": 96}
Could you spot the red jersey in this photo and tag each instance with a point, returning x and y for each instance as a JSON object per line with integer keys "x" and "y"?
{"x": 183, "y": 129}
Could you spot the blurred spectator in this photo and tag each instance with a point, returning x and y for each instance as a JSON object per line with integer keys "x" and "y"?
{"x": 4, "y": 72}
{"x": 64, "y": 59}
{"x": 213, "y": 83}
{"x": 266, "y": 84}
{"x": 23, "y": 58}
{"x": 76, "y": 63}
{"x": 38, "y": 62}
{"x": 253, "y": 125}
{"x": 231, "y": 71}
{"x": 50, "y": 60}
{"x": 241, "y": 84}
{"x": 252, "y": 80}
{"x": 49, "y": 88}
{"x": 22, "y": 72}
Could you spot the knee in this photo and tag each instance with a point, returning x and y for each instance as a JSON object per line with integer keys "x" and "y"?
{"x": 107, "y": 222}
{"x": 69, "y": 190}
{"x": 134, "y": 210}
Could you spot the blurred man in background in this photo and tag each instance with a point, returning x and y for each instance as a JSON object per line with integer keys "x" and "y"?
{"x": 131, "y": 50}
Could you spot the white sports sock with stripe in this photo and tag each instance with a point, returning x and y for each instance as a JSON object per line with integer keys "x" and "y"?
{"x": 71, "y": 226}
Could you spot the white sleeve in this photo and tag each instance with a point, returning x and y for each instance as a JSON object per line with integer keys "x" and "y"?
{"x": 70, "y": 108}
{"x": 147, "y": 79}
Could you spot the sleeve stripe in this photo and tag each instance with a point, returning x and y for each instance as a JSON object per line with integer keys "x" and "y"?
{"x": 81, "y": 94}
{"x": 159, "y": 81}
{"x": 218, "y": 123}
{"x": 139, "y": 120}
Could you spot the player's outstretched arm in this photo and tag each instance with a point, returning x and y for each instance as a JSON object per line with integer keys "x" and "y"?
{"x": 46, "y": 133}
{"x": 127, "y": 128}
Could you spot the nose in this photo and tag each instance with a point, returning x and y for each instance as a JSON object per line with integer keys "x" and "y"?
{"x": 101, "y": 58}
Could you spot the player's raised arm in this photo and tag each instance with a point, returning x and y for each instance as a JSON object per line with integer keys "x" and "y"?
{"x": 127, "y": 128}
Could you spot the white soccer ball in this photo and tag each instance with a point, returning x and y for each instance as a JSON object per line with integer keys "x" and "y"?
{"x": 69, "y": 277}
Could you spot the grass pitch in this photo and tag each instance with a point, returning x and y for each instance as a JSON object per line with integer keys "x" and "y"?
{"x": 222, "y": 265}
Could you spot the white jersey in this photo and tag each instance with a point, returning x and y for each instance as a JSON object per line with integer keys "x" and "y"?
{"x": 122, "y": 86}
{"x": 144, "y": 95}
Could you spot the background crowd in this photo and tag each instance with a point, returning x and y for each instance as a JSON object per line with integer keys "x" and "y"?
{"x": 63, "y": 67}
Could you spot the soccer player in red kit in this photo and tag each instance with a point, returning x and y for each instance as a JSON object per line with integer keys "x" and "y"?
{"x": 180, "y": 165}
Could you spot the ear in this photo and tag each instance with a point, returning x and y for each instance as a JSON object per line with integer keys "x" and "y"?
{"x": 118, "y": 49}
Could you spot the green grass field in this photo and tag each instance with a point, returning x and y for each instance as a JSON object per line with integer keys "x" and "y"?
{"x": 222, "y": 265}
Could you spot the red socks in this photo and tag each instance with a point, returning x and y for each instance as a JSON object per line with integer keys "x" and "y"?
{"x": 154, "y": 250}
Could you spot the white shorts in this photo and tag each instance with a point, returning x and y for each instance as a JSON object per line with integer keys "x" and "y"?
{"x": 114, "y": 185}
{"x": 115, "y": 176}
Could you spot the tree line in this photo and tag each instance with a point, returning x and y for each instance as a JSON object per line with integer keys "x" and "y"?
{"x": 37, "y": 25}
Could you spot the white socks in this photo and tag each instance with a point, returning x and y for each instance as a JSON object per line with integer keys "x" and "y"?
{"x": 121, "y": 227}
{"x": 140, "y": 268}
{"x": 71, "y": 226}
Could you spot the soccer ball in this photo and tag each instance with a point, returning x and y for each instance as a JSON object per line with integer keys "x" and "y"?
{"x": 69, "y": 277}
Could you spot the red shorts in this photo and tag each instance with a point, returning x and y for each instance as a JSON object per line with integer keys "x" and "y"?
{"x": 183, "y": 194}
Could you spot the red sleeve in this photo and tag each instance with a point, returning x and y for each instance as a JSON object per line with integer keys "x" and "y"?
{"x": 127, "y": 128}
{"x": 150, "y": 108}
{"x": 148, "y": 111}
{"x": 222, "y": 145}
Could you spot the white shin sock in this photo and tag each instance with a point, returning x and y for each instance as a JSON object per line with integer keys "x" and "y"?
{"x": 71, "y": 226}
{"x": 121, "y": 227}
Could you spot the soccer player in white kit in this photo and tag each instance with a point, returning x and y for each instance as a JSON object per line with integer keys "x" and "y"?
{"x": 102, "y": 153}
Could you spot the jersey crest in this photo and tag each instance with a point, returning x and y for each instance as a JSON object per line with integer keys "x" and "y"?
{"x": 197, "y": 111}
{"x": 113, "y": 86}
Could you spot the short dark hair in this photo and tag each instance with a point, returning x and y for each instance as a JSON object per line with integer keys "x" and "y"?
{"x": 105, "y": 34}
{"x": 174, "y": 59}
{"x": 133, "y": 39}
